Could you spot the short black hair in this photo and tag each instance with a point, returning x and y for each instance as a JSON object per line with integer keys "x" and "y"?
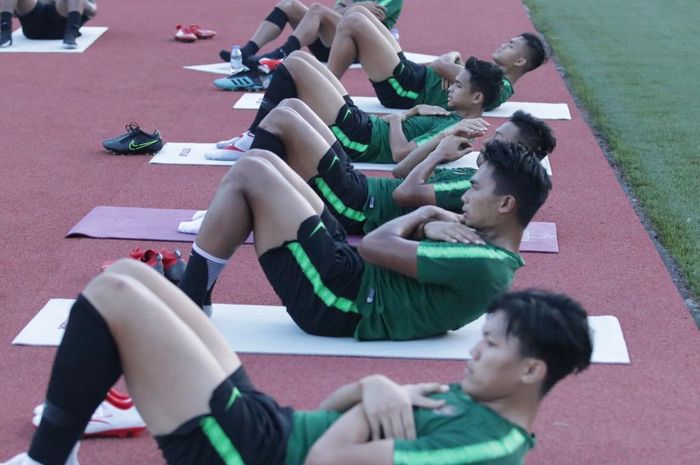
{"x": 534, "y": 134}
{"x": 537, "y": 52}
{"x": 518, "y": 172}
{"x": 485, "y": 77}
{"x": 550, "y": 327}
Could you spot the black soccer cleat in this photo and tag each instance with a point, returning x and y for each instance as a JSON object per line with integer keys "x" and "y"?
{"x": 134, "y": 142}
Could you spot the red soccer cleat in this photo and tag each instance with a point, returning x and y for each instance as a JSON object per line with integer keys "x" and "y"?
{"x": 184, "y": 34}
{"x": 200, "y": 32}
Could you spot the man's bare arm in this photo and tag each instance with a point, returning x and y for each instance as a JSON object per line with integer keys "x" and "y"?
{"x": 400, "y": 146}
{"x": 346, "y": 443}
{"x": 448, "y": 65}
{"x": 414, "y": 190}
{"x": 394, "y": 244}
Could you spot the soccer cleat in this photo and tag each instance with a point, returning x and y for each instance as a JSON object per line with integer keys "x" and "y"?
{"x": 135, "y": 141}
{"x": 173, "y": 265}
{"x": 240, "y": 143}
{"x": 200, "y": 32}
{"x": 110, "y": 419}
{"x": 184, "y": 34}
{"x": 238, "y": 82}
{"x": 150, "y": 257}
{"x": 268, "y": 65}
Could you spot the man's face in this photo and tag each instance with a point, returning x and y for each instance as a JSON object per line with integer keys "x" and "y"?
{"x": 511, "y": 53}
{"x": 496, "y": 366}
{"x": 480, "y": 204}
{"x": 506, "y": 132}
{"x": 460, "y": 95}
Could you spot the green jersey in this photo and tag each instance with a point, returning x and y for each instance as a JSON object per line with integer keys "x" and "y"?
{"x": 432, "y": 92}
{"x": 392, "y": 7}
{"x": 449, "y": 185}
{"x": 455, "y": 285}
{"x": 507, "y": 92}
{"x": 460, "y": 432}
{"x": 419, "y": 129}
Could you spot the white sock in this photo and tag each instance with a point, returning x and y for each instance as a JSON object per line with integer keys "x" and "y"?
{"x": 199, "y": 214}
{"x": 190, "y": 227}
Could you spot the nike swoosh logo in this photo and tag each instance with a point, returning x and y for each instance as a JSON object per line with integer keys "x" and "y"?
{"x": 133, "y": 146}
{"x": 318, "y": 227}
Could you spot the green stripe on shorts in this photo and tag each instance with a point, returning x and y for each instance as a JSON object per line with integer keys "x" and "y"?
{"x": 322, "y": 292}
{"x": 400, "y": 91}
{"x": 346, "y": 142}
{"x": 337, "y": 203}
{"x": 220, "y": 441}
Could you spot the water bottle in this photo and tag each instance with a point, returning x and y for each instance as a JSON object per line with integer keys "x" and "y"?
{"x": 395, "y": 33}
{"x": 236, "y": 60}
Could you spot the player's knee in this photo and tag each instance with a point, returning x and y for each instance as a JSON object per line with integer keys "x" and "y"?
{"x": 352, "y": 23}
{"x": 106, "y": 288}
{"x": 286, "y": 5}
{"x": 251, "y": 169}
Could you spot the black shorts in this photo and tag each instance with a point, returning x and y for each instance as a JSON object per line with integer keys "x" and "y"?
{"x": 317, "y": 278}
{"x": 342, "y": 188}
{"x": 243, "y": 421}
{"x": 402, "y": 89}
{"x": 320, "y": 51}
{"x": 44, "y": 23}
{"x": 353, "y": 129}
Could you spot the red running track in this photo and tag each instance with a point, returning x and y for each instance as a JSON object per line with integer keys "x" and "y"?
{"x": 57, "y": 108}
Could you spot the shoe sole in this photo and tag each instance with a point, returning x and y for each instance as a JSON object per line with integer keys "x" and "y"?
{"x": 117, "y": 433}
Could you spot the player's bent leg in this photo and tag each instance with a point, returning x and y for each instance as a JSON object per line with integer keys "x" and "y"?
{"x": 184, "y": 308}
{"x": 314, "y": 88}
{"x": 378, "y": 24}
{"x": 169, "y": 370}
{"x": 304, "y": 146}
{"x": 357, "y": 36}
{"x": 21, "y": 7}
{"x": 323, "y": 69}
{"x": 294, "y": 9}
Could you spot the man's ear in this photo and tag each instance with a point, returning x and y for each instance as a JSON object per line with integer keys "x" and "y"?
{"x": 534, "y": 371}
{"x": 478, "y": 98}
{"x": 508, "y": 204}
{"x": 520, "y": 62}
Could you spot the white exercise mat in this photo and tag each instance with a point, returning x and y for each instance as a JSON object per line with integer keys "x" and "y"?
{"x": 549, "y": 111}
{"x": 225, "y": 68}
{"x": 191, "y": 153}
{"x": 186, "y": 153}
{"x": 21, "y": 44}
{"x": 269, "y": 330}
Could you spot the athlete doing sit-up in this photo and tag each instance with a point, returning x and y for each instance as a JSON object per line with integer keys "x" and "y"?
{"x": 401, "y": 83}
{"x": 42, "y": 19}
{"x": 314, "y": 26}
{"x": 416, "y": 276}
{"x": 362, "y": 203}
{"x": 201, "y": 407}
{"x": 370, "y": 138}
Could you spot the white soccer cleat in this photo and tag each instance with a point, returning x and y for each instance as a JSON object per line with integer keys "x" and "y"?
{"x": 241, "y": 142}
{"x": 112, "y": 418}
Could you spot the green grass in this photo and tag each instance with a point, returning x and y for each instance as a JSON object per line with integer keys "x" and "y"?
{"x": 635, "y": 66}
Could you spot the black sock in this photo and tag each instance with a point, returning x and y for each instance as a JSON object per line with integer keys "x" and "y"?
{"x": 278, "y": 17}
{"x": 290, "y": 45}
{"x": 401, "y": 56}
{"x": 266, "y": 140}
{"x": 87, "y": 365}
{"x": 73, "y": 22}
{"x": 6, "y": 20}
{"x": 249, "y": 49}
{"x": 200, "y": 274}
{"x": 281, "y": 87}
{"x": 320, "y": 51}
